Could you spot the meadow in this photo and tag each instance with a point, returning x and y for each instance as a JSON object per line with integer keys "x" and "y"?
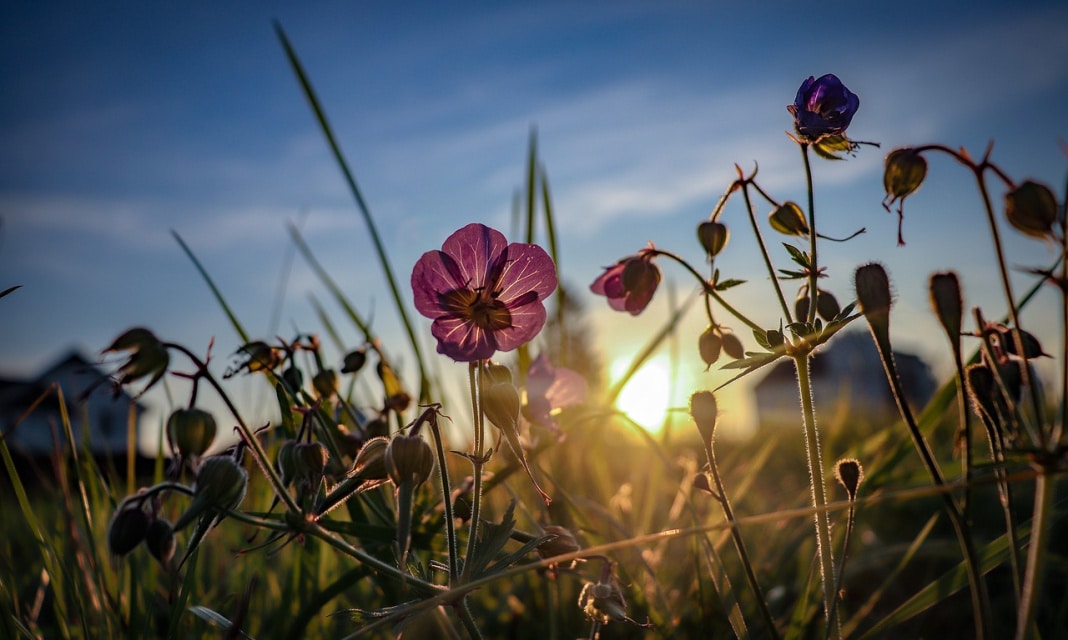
{"x": 530, "y": 506}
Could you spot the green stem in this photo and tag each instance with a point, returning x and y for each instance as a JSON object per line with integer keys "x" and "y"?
{"x": 708, "y": 289}
{"x": 764, "y": 252}
{"x": 1036, "y": 555}
{"x": 477, "y": 463}
{"x": 814, "y": 266}
{"x": 446, "y": 497}
{"x": 818, "y": 490}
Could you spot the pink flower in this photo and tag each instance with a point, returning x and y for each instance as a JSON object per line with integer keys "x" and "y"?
{"x": 550, "y": 389}
{"x": 483, "y": 294}
{"x": 630, "y": 284}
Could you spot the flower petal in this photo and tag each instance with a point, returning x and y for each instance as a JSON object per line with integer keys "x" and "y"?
{"x": 462, "y": 340}
{"x": 435, "y": 273}
{"x": 474, "y": 247}
{"x": 526, "y": 268}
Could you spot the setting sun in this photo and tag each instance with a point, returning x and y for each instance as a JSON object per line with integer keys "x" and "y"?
{"x": 646, "y": 398}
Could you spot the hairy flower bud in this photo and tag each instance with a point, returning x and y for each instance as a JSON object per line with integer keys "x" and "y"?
{"x": 947, "y": 302}
{"x": 732, "y": 346}
{"x": 713, "y": 236}
{"x": 409, "y": 459}
{"x": 850, "y": 474}
{"x": 160, "y": 540}
{"x": 705, "y": 412}
{"x": 982, "y": 390}
{"x": 709, "y": 344}
{"x": 191, "y": 431}
{"x": 309, "y": 463}
{"x": 501, "y": 404}
{"x": 370, "y": 463}
{"x": 789, "y": 219}
{"x": 873, "y": 294}
{"x": 1032, "y": 209}
{"x": 127, "y": 528}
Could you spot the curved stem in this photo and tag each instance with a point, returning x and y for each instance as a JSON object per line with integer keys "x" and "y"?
{"x": 708, "y": 288}
{"x": 764, "y": 253}
{"x": 818, "y": 490}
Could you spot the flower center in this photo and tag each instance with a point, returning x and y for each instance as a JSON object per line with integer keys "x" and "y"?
{"x": 480, "y": 307}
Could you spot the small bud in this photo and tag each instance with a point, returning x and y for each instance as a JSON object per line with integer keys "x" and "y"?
{"x": 801, "y": 304}
{"x": 947, "y": 302}
{"x": 705, "y": 413}
{"x": 1032, "y": 209}
{"x": 285, "y": 461}
{"x": 293, "y": 377}
{"x": 849, "y": 474}
{"x": 709, "y": 344}
{"x": 789, "y": 219}
{"x": 701, "y": 483}
{"x": 191, "y": 431}
{"x": 713, "y": 236}
{"x": 494, "y": 372}
{"x": 309, "y": 463}
{"x": 354, "y": 361}
{"x": 733, "y": 346}
{"x": 160, "y": 540}
{"x": 826, "y": 305}
{"x": 775, "y": 338}
{"x": 409, "y": 460}
{"x": 325, "y": 383}
{"x": 1032, "y": 348}
{"x": 904, "y": 172}
{"x": 873, "y": 294}
{"x": 127, "y": 528}
{"x": 603, "y": 602}
{"x": 220, "y": 486}
{"x": 370, "y": 463}
{"x": 563, "y": 543}
{"x": 982, "y": 390}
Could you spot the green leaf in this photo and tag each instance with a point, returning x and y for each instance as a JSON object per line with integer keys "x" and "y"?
{"x": 214, "y": 290}
{"x": 491, "y": 541}
{"x": 9, "y": 290}
{"x": 727, "y": 284}
{"x": 797, "y": 255}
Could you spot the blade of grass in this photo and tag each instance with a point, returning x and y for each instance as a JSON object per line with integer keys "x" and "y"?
{"x": 214, "y": 289}
{"x": 380, "y": 249}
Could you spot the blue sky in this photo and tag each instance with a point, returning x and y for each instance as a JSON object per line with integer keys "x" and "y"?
{"x": 122, "y": 121}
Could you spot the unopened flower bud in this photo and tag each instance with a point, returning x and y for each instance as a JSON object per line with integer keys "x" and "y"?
{"x": 732, "y": 346}
{"x": 494, "y": 372}
{"x": 354, "y": 361}
{"x": 191, "y": 431}
{"x": 285, "y": 461}
{"x": 325, "y": 383}
{"x": 850, "y": 474}
{"x": 127, "y": 528}
{"x": 160, "y": 540}
{"x": 705, "y": 413}
{"x": 370, "y": 463}
{"x": 563, "y": 543}
{"x": 947, "y": 302}
{"x": 1032, "y": 348}
{"x": 873, "y": 294}
{"x": 293, "y": 377}
{"x": 713, "y": 236}
{"x": 501, "y": 404}
{"x": 904, "y": 172}
{"x": 789, "y": 219}
{"x": 709, "y": 344}
{"x": 826, "y": 305}
{"x": 409, "y": 460}
{"x": 221, "y": 482}
{"x": 309, "y": 462}
{"x": 1032, "y": 209}
{"x": 982, "y": 390}
{"x": 603, "y": 602}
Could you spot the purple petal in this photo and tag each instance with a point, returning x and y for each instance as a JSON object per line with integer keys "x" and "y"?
{"x": 526, "y": 268}
{"x": 434, "y": 274}
{"x": 462, "y": 340}
{"x": 527, "y": 321}
{"x": 474, "y": 248}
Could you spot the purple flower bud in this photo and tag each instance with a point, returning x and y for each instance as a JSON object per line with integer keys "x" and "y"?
{"x": 823, "y": 107}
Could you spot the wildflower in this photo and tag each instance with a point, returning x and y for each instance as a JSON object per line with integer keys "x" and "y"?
{"x": 483, "y": 294}
{"x": 630, "y": 284}
{"x": 823, "y": 107}
{"x": 904, "y": 173}
{"x": 550, "y": 389}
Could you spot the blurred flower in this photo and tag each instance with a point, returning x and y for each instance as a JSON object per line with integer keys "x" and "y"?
{"x": 483, "y": 294}
{"x": 148, "y": 357}
{"x": 550, "y": 389}
{"x": 823, "y": 107}
{"x": 1032, "y": 209}
{"x": 630, "y": 284}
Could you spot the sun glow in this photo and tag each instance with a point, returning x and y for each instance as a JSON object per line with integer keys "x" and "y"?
{"x": 646, "y": 398}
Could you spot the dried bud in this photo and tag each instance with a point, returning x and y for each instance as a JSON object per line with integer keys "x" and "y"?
{"x": 849, "y": 474}
{"x": 713, "y": 236}
{"x": 147, "y": 356}
{"x": 1032, "y": 209}
{"x": 705, "y": 413}
{"x": 160, "y": 540}
{"x": 325, "y": 383}
{"x": 259, "y": 356}
{"x": 709, "y": 344}
{"x": 873, "y": 294}
{"x": 127, "y": 528}
{"x": 409, "y": 459}
{"x": 354, "y": 361}
{"x": 603, "y": 602}
{"x": 789, "y": 219}
{"x": 563, "y": 543}
{"x": 191, "y": 431}
{"x": 947, "y": 302}
{"x": 904, "y": 173}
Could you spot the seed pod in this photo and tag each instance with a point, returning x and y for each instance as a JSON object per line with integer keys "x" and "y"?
{"x": 160, "y": 540}
{"x": 947, "y": 302}
{"x": 354, "y": 361}
{"x": 325, "y": 383}
{"x": 191, "y": 431}
{"x": 826, "y": 305}
{"x": 1032, "y": 209}
{"x": 705, "y": 413}
{"x": 713, "y": 236}
{"x": 409, "y": 459}
{"x": 850, "y": 474}
{"x": 733, "y": 346}
{"x": 789, "y": 219}
{"x": 904, "y": 172}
